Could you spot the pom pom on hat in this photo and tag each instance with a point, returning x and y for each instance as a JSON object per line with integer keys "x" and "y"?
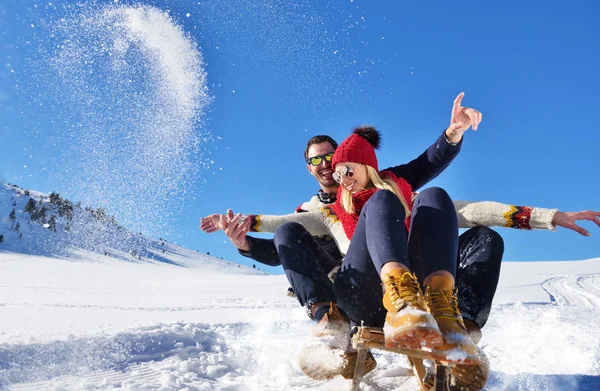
{"x": 370, "y": 134}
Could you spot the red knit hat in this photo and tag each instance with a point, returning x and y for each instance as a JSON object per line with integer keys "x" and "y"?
{"x": 359, "y": 147}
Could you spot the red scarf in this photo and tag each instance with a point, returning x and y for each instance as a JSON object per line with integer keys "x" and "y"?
{"x": 359, "y": 200}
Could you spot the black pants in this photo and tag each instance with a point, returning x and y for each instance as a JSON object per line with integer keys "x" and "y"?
{"x": 380, "y": 237}
{"x": 480, "y": 251}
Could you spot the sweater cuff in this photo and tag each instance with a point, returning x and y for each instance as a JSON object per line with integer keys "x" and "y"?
{"x": 541, "y": 218}
{"x": 255, "y": 223}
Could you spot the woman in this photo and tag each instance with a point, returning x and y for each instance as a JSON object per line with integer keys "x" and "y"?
{"x": 388, "y": 232}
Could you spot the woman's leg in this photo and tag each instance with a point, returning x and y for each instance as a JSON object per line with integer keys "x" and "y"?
{"x": 379, "y": 238}
{"x": 433, "y": 241}
{"x": 378, "y": 252}
{"x": 433, "y": 245}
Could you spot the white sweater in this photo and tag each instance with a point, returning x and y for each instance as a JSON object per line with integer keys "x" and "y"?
{"x": 320, "y": 220}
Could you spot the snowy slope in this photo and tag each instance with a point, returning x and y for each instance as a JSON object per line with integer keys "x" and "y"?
{"x": 101, "y": 323}
{"x": 97, "y": 307}
{"x": 71, "y": 231}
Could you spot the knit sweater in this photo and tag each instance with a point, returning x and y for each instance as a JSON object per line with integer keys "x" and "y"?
{"x": 470, "y": 214}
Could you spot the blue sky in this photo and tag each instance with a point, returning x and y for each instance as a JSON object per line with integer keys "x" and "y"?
{"x": 280, "y": 72}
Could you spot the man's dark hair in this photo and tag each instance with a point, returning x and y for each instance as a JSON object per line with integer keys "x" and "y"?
{"x": 318, "y": 140}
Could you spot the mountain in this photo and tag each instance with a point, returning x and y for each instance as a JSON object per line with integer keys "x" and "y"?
{"x": 35, "y": 223}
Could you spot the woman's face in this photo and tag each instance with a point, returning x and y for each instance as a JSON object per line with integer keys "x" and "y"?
{"x": 352, "y": 176}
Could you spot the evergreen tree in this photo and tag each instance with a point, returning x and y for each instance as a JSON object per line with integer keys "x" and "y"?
{"x": 54, "y": 198}
{"x": 1, "y": 238}
{"x": 17, "y": 228}
{"x": 12, "y": 218}
{"x": 101, "y": 214}
{"x": 31, "y": 206}
{"x": 52, "y": 223}
{"x": 43, "y": 213}
{"x": 65, "y": 208}
{"x": 39, "y": 214}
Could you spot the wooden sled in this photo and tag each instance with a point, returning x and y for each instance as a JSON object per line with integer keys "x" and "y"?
{"x": 367, "y": 338}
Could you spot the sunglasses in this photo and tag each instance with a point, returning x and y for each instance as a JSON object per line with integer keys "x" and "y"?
{"x": 346, "y": 170}
{"x": 317, "y": 160}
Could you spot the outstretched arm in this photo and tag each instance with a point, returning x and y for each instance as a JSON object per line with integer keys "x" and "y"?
{"x": 442, "y": 152}
{"x": 490, "y": 213}
{"x": 313, "y": 221}
{"x": 261, "y": 250}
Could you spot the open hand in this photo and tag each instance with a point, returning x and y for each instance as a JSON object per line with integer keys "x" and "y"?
{"x": 461, "y": 119}
{"x": 211, "y": 223}
{"x": 235, "y": 226}
{"x": 568, "y": 220}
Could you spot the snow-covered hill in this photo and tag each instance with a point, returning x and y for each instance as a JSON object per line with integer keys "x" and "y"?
{"x": 40, "y": 224}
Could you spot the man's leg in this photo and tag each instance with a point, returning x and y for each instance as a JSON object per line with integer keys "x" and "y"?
{"x": 300, "y": 255}
{"x": 479, "y": 259}
{"x": 301, "y": 258}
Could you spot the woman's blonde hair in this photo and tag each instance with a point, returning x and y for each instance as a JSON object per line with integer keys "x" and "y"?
{"x": 380, "y": 183}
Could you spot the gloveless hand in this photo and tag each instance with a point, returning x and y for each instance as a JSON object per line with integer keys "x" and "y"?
{"x": 461, "y": 119}
{"x": 235, "y": 228}
{"x": 568, "y": 220}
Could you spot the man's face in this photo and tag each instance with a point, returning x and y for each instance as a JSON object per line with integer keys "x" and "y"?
{"x": 323, "y": 171}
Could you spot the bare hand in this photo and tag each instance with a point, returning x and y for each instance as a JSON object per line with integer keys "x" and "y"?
{"x": 211, "y": 223}
{"x": 235, "y": 228}
{"x": 462, "y": 118}
{"x": 568, "y": 219}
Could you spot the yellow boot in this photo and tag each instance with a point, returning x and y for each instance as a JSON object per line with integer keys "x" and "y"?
{"x": 470, "y": 377}
{"x": 407, "y": 323}
{"x": 465, "y": 377}
{"x": 442, "y": 302}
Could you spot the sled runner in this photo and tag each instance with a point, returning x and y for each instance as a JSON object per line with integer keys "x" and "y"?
{"x": 366, "y": 338}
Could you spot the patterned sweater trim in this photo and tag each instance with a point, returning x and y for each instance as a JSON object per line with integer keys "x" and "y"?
{"x": 256, "y": 223}
{"x": 324, "y": 221}
{"x": 518, "y": 217}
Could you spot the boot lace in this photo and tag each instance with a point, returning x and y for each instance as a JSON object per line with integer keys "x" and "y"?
{"x": 444, "y": 305}
{"x": 404, "y": 290}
